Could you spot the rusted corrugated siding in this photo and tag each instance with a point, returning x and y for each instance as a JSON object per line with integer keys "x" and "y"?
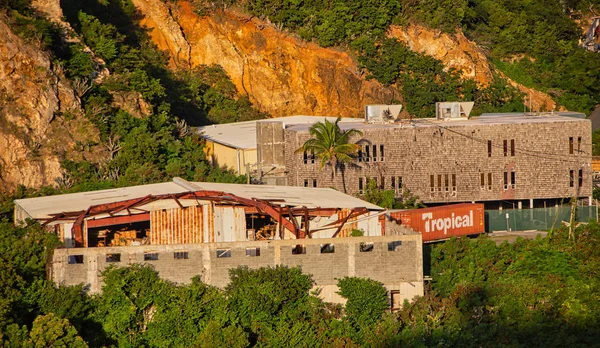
{"x": 177, "y": 226}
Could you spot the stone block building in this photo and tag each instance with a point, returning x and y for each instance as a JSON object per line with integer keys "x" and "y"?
{"x": 511, "y": 157}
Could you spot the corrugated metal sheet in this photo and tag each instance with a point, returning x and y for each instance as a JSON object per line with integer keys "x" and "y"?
{"x": 177, "y": 226}
{"x": 443, "y": 222}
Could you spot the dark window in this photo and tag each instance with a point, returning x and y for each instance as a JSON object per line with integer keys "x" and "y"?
{"x": 453, "y": 182}
{"x": 393, "y": 182}
{"x": 570, "y": 145}
{"x": 299, "y": 249}
{"x": 252, "y": 251}
{"x": 305, "y": 157}
{"x": 314, "y": 182}
{"x": 374, "y": 153}
{"x": 367, "y": 152}
{"x": 360, "y": 155}
{"x": 381, "y": 153}
{"x": 75, "y": 259}
{"x": 113, "y": 257}
{"x": 439, "y": 182}
{"x": 446, "y": 182}
{"x": 505, "y": 147}
{"x": 431, "y": 182}
{"x": 382, "y": 183}
{"x": 489, "y": 148}
{"x": 312, "y": 156}
{"x": 305, "y": 182}
{"x": 513, "y": 179}
{"x": 327, "y": 248}
{"x": 571, "y": 178}
{"x": 150, "y": 256}
{"x": 580, "y": 177}
{"x": 512, "y": 147}
{"x": 399, "y": 182}
{"x": 221, "y": 253}
{"x": 360, "y": 185}
{"x": 366, "y": 247}
{"x": 181, "y": 255}
{"x": 506, "y": 180}
{"x": 578, "y": 144}
{"x": 482, "y": 180}
{"x": 394, "y": 246}
{"x": 489, "y": 181}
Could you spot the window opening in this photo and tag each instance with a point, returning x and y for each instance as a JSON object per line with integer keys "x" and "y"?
{"x": 299, "y": 249}
{"x": 578, "y": 144}
{"x": 181, "y": 255}
{"x": 512, "y": 147}
{"x": 489, "y": 148}
{"x": 505, "y": 147}
{"x": 446, "y": 182}
{"x": 327, "y": 248}
{"x": 113, "y": 257}
{"x": 150, "y": 256}
{"x": 374, "y": 153}
{"x": 489, "y": 181}
{"x": 393, "y": 185}
{"x": 454, "y": 182}
{"x": 439, "y": 182}
{"x": 482, "y": 180}
{"x": 580, "y": 177}
{"x": 381, "y": 153}
{"x": 312, "y": 156}
{"x": 360, "y": 185}
{"x": 571, "y": 145}
{"x": 305, "y": 182}
{"x": 222, "y": 253}
{"x": 367, "y": 153}
{"x": 75, "y": 259}
{"x": 252, "y": 252}
{"x": 431, "y": 182}
{"x": 394, "y": 246}
{"x": 513, "y": 181}
{"x": 506, "y": 180}
{"x": 314, "y": 182}
{"x": 305, "y": 157}
{"x": 366, "y": 247}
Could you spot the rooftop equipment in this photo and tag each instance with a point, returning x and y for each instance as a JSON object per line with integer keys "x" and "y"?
{"x": 382, "y": 113}
{"x": 453, "y": 110}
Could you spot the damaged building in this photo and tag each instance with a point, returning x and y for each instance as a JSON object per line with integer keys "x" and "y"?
{"x": 185, "y": 229}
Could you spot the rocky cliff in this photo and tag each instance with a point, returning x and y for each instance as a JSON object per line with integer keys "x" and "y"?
{"x": 280, "y": 74}
{"x": 39, "y": 115}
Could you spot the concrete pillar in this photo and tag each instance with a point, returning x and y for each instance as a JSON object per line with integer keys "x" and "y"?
{"x": 591, "y": 201}
{"x": 531, "y": 203}
{"x": 519, "y": 205}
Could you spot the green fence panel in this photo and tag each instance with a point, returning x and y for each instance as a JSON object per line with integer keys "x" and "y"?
{"x": 542, "y": 219}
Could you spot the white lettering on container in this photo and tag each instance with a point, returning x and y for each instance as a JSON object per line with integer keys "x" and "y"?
{"x": 445, "y": 224}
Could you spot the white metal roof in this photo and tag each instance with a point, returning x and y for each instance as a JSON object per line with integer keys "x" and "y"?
{"x": 242, "y": 135}
{"x": 42, "y": 207}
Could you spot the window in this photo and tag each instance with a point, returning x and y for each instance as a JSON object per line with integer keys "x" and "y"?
{"x": 395, "y": 300}
{"x": 312, "y": 156}
{"x": 506, "y": 180}
{"x": 366, "y": 247}
{"x": 327, "y": 248}
{"x": 489, "y": 148}
{"x": 305, "y": 157}
{"x": 299, "y": 249}
{"x": 512, "y": 147}
{"x": 393, "y": 182}
{"x": 113, "y": 257}
{"x": 360, "y": 185}
{"x": 399, "y": 182}
{"x": 580, "y": 177}
{"x": 381, "y": 154}
{"x": 505, "y": 147}
{"x": 75, "y": 259}
{"x": 360, "y": 155}
{"x": 439, "y": 182}
{"x": 374, "y": 153}
{"x": 367, "y": 153}
{"x": 489, "y": 181}
{"x": 571, "y": 178}
{"x": 252, "y": 252}
{"x": 305, "y": 182}
{"x": 446, "y": 182}
{"x": 150, "y": 256}
{"x": 222, "y": 253}
{"x": 571, "y": 145}
{"x": 453, "y": 182}
{"x": 382, "y": 183}
{"x": 314, "y": 183}
{"x": 431, "y": 183}
{"x": 482, "y": 181}
{"x": 513, "y": 181}
{"x": 578, "y": 144}
{"x": 181, "y": 255}
{"x": 394, "y": 246}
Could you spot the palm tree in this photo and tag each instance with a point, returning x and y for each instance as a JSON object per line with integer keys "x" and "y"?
{"x": 330, "y": 144}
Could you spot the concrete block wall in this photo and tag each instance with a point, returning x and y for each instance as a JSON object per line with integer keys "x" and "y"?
{"x": 542, "y": 160}
{"x": 399, "y": 270}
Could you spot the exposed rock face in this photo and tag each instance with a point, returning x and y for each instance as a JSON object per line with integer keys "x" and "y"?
{"x": 454, "y": 51}
{"x": 38, "y": 115}
{"x": 280, "y": 74}
{"x": 458, "y": 52}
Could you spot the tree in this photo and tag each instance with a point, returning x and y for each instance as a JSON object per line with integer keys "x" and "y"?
{"x": 331, "y": 144}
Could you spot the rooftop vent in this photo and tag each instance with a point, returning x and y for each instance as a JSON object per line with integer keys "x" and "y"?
{"x": 453, "y": 110}
{"x": 382, "y": 113}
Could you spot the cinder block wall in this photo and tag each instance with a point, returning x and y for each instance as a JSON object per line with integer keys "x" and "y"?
{"x": 541, "y": 162}
{"x": 400, "y": 269}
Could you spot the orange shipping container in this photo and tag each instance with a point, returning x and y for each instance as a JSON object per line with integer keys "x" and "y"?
{"x": 443, "y": 222}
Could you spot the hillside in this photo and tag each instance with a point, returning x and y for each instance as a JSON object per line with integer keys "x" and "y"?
{"x": 108, "y": 90}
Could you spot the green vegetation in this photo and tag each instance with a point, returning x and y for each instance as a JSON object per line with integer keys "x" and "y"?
{"x": 533, "y": 292}
{"x": 387, "y": 198}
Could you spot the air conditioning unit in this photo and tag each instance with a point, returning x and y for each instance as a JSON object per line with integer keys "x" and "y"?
{"x": 453, "y": 110}
{"x": 382, "y": 113}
